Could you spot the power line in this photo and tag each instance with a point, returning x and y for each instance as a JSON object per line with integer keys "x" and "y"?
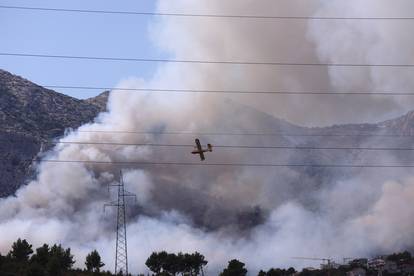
{"x": 240, "y": 16}
{"x": 246, "y": 133}
{"x": 280, "y": 134}
{"x": 208, "y": 91}
{"x": 223, "y": 62}
{"x": 234, "y": 146}
{"x": 144, "y": 163}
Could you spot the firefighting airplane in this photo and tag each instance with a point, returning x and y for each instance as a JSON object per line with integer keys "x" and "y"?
{"x": 198, "y": 149}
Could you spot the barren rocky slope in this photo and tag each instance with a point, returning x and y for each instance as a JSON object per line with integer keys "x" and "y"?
{"x": 29, "y": 114}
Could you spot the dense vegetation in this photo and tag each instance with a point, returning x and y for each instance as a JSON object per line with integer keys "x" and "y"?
{"x": 163, "y": 263}
{"x": 46, "y": 261}
{"x": 55, "y": 260}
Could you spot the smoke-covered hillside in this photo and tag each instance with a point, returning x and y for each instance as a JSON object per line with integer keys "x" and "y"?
{"x": 30, "y": 114}
{"x": 218, "y": 209}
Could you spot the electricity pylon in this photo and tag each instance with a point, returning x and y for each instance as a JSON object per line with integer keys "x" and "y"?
{"x": 121, "y": 252}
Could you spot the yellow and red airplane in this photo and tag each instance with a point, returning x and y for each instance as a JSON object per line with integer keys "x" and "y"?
{"x": 198, "y": 149}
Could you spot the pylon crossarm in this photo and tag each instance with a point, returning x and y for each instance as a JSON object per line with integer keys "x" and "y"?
{"x": 114, "y": 204}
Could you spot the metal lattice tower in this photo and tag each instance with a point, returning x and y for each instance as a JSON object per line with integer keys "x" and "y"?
{"x": 121, "y": 252}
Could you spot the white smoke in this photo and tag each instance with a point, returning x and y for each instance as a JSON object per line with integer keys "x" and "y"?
{"x": 214, "y": 209}
{"x": 366, "y": 42}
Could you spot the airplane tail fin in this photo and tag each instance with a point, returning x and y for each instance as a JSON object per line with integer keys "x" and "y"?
{"x": 210, "y": 147}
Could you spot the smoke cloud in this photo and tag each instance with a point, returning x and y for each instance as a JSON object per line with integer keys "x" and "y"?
{"x": 262, "y": 216}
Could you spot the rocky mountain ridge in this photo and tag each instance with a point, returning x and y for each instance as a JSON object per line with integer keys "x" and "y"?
{"x": 30, "y": 113}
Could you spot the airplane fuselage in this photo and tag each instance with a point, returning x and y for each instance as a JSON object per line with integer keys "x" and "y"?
{"x": 198, "y": 149}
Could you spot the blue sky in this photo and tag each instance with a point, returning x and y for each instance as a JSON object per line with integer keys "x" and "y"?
{"x": 77, "y": 34}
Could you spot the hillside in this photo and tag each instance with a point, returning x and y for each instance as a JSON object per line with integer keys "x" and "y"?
{"x": 30, "y": 113}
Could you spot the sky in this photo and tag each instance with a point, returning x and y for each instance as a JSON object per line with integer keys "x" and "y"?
{"x": 133, "y": 36}
{"x": 58, "y": 33}
{"x": 77, "y": 34}
{"x": 353, "y": 212}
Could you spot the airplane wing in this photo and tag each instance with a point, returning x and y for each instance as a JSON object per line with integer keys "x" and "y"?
{"x": 202, "y": 156}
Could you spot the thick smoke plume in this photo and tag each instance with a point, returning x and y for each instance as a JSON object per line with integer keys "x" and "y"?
{"x": 263, "y": 216}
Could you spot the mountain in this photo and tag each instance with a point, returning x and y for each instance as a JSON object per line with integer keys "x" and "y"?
{"x": 29, "y": 114}
{"x": 403, "y": 125}
{"x": 99, "y": 101}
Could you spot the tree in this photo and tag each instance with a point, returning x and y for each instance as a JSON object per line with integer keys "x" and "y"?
{"x": 197, "y": 261}
{"x": 182, "y": 265}
{"x": 41, "y": 256}
{"x": 291, "y": 271}
{"x": 234, "y": 268}
{"x": 278, "y": 272}
{"x": 54, "y": 266}
{"x": 93, "y": 261}
{"x": 400, "y": 258}
{"x": 60, "y": 260}
{"x": 318, "y": 272}
{"x": 163, "y": 263}
{"x": 63, "y": 256}
{"x": 35, "y": 269}
{"x": 21, "y": 250}
{"x": 155, "y": 261}
{"x": 172, "y": 264}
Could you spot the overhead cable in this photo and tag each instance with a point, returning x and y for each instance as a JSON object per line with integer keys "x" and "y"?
{"x": 211, "y": 91}
{"x": 205, "y": 15}
{"x": 145, "y": 163}
{"x": 201, "y": 61}
{"x": 233, "y": 146}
